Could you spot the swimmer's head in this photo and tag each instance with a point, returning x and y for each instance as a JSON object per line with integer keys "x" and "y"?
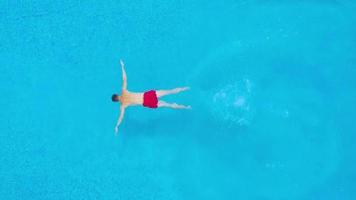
{"x": 115, "y": 98}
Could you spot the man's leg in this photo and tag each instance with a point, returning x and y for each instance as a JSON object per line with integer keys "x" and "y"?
{"x": 172, "y": 105}
{"x": 161, "y": 93}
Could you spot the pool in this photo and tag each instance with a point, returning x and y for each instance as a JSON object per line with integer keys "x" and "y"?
{"x": 272, "y": 95}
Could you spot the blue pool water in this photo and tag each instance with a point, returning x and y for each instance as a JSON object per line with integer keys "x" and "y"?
{"x": 272, "y": 91}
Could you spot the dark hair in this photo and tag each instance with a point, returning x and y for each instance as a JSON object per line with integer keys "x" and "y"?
{"x": 115, "y": 97}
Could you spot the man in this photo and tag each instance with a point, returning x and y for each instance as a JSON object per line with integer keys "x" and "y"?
{"x": 148, "y": 99}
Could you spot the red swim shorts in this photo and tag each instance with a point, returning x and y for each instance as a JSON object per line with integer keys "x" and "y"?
{"x": 150, "y": 99}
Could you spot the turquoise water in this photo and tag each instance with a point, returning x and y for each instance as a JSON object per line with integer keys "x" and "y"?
{"x": 272, "y": 90}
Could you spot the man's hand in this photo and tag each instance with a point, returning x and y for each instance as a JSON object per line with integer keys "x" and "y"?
{"x": 124, "y": 79}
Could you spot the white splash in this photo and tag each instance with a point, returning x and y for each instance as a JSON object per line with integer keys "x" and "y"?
{"x": 232, "y": 102}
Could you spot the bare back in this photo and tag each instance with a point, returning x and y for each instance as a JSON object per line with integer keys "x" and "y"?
{"x": 131, "y": 98}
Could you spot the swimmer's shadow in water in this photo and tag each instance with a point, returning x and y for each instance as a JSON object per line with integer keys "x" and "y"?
{"x": 165, "y": 124}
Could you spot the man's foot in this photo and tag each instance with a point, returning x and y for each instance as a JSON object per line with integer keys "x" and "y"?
{"x": 176, "y": 106}
{"x": 183, "y": 89}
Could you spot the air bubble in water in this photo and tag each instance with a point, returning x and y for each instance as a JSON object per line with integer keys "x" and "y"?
{"x": 232, "y": 103}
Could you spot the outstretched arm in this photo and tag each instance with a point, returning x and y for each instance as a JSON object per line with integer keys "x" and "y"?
{"x": 124, "y": 78}
{"x": 122, "y": 112}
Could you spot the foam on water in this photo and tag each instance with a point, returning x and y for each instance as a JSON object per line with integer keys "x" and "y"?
{"x": 232, "y": 103}
{"x": 226, "y": 94}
